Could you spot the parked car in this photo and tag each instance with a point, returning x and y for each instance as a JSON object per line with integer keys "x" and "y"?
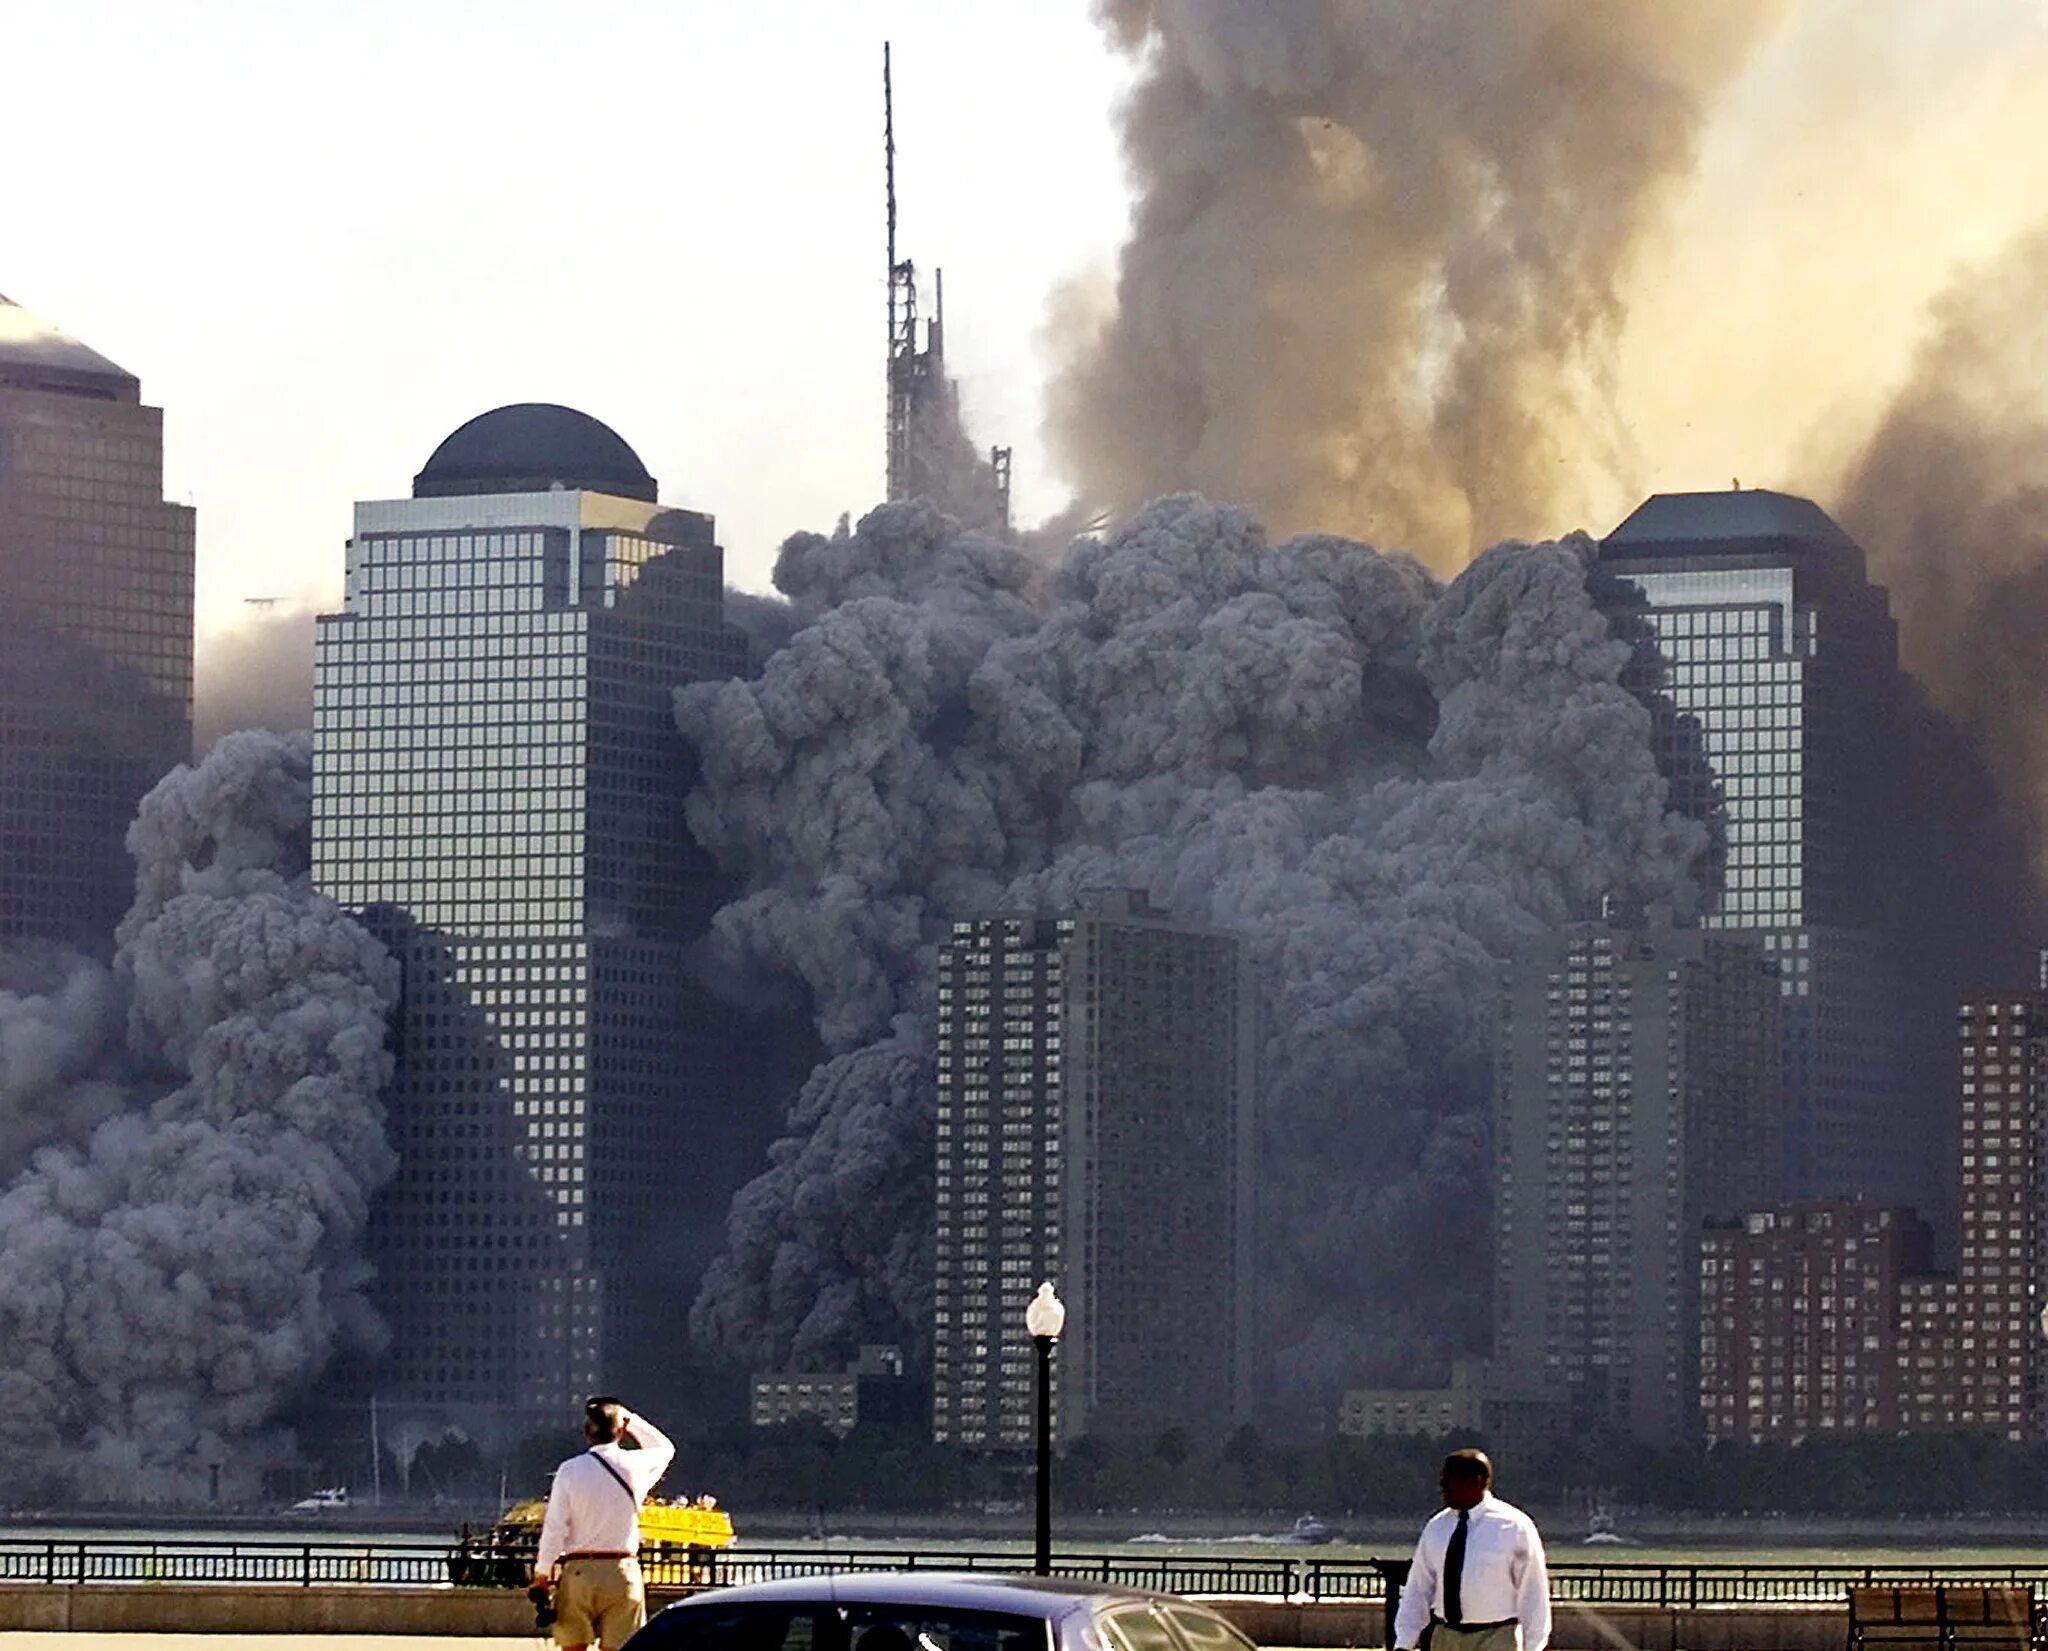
{"x": 936, "y": 1611}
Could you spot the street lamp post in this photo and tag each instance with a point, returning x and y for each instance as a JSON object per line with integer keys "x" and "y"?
{"x": 1044, "y": 1318}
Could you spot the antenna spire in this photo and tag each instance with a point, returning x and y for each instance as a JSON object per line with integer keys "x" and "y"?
{"x": 889, "y": 176}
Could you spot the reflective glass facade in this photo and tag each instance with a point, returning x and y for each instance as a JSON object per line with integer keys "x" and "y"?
{"x": 1773, "y": 662}
{"x": 498, "y": 789}
{"x": 95, "y": 631}
{"x": 1735, "y": 645}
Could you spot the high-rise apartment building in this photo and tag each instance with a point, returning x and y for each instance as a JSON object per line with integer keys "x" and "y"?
{"x": 498, "y": 791}
{"x": 1638, "y": 1071}
{"x": 95, "y": 630}
{"x": 1001, "y": 1037}
{"x": 1775, "y": 663}
{"x": 1800, "y": 1326}
{"x": 2001, "y": 1362}
{"x": 1790, "y": 1319}
{"x": 1095, "y": 1128}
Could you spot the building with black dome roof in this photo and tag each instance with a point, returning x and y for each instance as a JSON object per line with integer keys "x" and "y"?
{"x": 534, "y": 447}
{"x": 499, "y": 788}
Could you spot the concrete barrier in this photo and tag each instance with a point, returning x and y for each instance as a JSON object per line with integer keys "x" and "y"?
{"x": 232, "y": 1608}
{"x": 163, "y": 1608}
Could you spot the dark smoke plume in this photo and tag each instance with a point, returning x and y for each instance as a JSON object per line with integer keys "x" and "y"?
{"x": 1950, "y": 497}
{"x": 1373, "y": 279}
{"x": 1380, "y": 782}
{"x": 182, "y": 1245}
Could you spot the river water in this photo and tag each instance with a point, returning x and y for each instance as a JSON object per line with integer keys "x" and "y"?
{"x": 1736, "y": 1546}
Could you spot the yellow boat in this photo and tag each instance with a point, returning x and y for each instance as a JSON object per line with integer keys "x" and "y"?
{"x": 674, "y": 1539}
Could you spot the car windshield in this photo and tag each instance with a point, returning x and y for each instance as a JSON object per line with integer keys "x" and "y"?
{"x": 819, "y": 1626}
{"x": 1205, "y": 1631}
{"x": 874, "y": 1627}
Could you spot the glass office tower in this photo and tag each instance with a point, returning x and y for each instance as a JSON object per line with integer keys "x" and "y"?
{"x": 95, "y": 630}
{"x": 498, "y": 790}
{"x": 1776, "y": 661}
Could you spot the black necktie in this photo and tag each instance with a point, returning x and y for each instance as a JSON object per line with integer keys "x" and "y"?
{"x": 1454, "y": 1575}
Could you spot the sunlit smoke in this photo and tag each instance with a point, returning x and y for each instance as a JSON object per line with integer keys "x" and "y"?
{"x": 1375, "y": 276}
{"x": 1951, "y": 498}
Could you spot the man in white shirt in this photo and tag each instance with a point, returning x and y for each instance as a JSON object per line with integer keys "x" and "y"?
{"x": 592, "y": 1528}
{"x": 1479, "y": 1581}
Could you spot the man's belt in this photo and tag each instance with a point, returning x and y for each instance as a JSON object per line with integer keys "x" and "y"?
{"x": 1477, "y": 1627}
{"x": 592, "y": 1553}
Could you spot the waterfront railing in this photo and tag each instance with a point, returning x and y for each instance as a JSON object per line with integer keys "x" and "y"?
{"x": 334, "y": 1563}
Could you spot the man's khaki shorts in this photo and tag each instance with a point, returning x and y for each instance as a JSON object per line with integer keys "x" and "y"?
{"x": 599, "y": 1601}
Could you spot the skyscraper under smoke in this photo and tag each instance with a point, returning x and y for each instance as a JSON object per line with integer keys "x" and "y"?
{"x": 1775, "y": 663}
{"x": 1639, "y": 1074}
{"x": 498, "y": 789}
{"x": 1095, "y": 1079}
{"x": 95, "y": 630}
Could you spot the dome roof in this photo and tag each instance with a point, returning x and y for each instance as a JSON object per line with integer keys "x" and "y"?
{"x": 533, "y": 447}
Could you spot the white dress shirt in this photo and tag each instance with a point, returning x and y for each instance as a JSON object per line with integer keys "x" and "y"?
{"x": 1503, "y": 1579}
{"x": 588, "y": 1511}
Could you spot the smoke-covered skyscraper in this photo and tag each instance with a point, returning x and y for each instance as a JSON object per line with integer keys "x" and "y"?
{"x": 1638, "y": 1090}
{"x": 1000, "y": 1049}
{"x": 95, "y": 630}
{"x": 498, "y": 788}
{"x": 1775, "y": 662}
{"x": 1095, "y": 1124}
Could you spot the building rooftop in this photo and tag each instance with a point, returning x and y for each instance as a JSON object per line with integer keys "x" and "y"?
{"x": 1750, "y": 520}
{"x": 36, "y": 356}
{"x": 534, "y": 447}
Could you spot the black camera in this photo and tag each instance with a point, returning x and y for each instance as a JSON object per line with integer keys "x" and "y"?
{"x": 543, "y": 1605}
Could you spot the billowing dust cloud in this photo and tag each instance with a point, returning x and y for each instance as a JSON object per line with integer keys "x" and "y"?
{"x": 188, "y": 1144}
{"x": 1381, "y": 782}
{"x": 1375, "y": 274}
{"x": 1950, "y": 497}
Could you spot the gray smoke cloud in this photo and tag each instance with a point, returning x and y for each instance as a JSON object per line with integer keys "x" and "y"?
{"x": 1373, "y": 281}
{"x": 1950, "y": 497}
{"x": 60, "y": 1018}
{"x": 203, "y": 1135}
{"x": 1380, "y": 782}
{"x": 255, "y": 674}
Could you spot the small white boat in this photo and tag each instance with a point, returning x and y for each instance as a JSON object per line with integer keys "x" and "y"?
{"x": 323, "y": 1501}
{"x": 1308, "y": 1528}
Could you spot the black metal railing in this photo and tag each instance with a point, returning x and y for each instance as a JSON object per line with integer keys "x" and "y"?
{"x": 332, "y": 1562}
{"x": 302, "y": 1564}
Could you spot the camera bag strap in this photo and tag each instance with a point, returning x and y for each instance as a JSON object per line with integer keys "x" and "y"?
{"x": 618, "y": 1478}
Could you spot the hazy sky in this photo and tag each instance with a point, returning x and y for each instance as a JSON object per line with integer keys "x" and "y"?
{"x": 324, "y": 235}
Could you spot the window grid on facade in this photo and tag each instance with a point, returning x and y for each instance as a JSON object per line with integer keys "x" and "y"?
{"x": 497, "y": 788}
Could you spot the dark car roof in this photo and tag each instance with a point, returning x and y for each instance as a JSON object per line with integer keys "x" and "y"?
{"x": 1036, "y": 1596}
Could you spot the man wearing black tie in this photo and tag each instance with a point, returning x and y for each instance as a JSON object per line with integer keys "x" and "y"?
{"x": 1478, "y": 1582}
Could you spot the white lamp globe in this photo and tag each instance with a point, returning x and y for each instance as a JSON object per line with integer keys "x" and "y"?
{"x": 1047, "y": 1315}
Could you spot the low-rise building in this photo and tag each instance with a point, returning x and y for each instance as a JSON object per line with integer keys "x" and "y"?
{"x": 873, "y": 1389}
{"x": 1416, "y": 1412}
